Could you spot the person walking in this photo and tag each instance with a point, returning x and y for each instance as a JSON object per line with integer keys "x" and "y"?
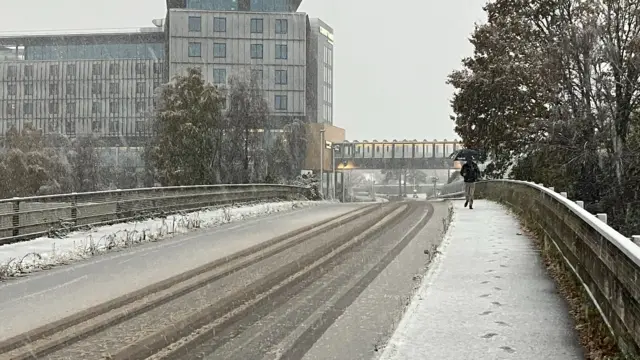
{"x": 471, "y": 174}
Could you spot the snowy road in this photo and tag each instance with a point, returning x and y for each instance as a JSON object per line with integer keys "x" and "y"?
{"x": 48, "y": 296}
{"x": 345, "y": 305}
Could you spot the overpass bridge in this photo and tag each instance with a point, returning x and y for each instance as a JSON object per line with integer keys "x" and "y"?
{"x": 385, "y": 154}
{"x": 329, "y": 282}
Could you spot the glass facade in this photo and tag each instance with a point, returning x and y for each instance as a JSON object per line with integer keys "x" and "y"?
{"x": 220, "y": 5}
{"x": 152, "y": 51}
{"x": 270, "y": 5}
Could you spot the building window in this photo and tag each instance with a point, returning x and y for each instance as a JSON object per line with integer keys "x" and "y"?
{"x": 257, "y": 76}
{"x": 52, "y": 125}
{"x": 282, "y": 52}
{"x": 11, "y": 109}
{"x": 28, "y": 70}
{"x": 219, "y": 76}
{"x": 219, "y": 50}
{"x": 114, "y": 88}
{"x": 54, "y": 70}
{"x": 270, "y": 5}
{"x": 140, "y": 126}
{"x": 71, "y": 108}
{"x": 96, "y": 107}
{"x": 96, "y": 69}
{"x": 114, "y": 126}
{"x": 53, "y": 88}
{"x": 195, "y": 49}
{"x": 141, "y": 68}
{"x": 54, "y": 107}
{"x": 27, "y": 108}
{"x": 71, "y": 89}
{"x": 71, "y": 70}
{"x": 257, "y": 26}
{"x": 156, "y": 85}
{"x": 70, "y": 127}
{"x": 114, "y": 69}
{"x": 195, "y": 23}
{"x": 96, "y": 126}
{"x": 157, "y": 69}
{"x": 219, "y": 24}
{"x": 28, "y": 89}
{"x": 96, "y": 88}
{"x": 219, "y": 5}
{"x": 12, "y": 89}
{"x": 114, "y": 107}
{"x": 257, "y": 51}
{"x": 281, "y": 77}
{"x": 12, "y": 71}
{"x": 140, "y": 106}
{"x": 282, "y": 26}
{"x": 141, "y": 88}
{"x": 281, "y": 102}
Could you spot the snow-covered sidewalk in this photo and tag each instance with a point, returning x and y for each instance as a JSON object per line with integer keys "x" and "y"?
{"x": 40, "y": 253}
{"x": 486, "y": 296}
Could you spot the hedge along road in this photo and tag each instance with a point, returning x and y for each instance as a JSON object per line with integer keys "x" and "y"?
{"x": 255, "y": 304}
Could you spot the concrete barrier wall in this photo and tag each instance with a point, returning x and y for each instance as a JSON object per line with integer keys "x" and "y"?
{"x": 606, "y": 262}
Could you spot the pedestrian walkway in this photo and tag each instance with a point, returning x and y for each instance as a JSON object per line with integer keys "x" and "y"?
{"x": 487, "y": 296}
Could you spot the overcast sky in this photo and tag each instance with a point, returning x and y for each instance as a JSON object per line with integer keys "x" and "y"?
{"x": 391, "y": 57}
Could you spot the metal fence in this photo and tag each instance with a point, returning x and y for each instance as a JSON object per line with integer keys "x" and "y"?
{"x": 606, "y": 262}
{"x": 31, "y": 217}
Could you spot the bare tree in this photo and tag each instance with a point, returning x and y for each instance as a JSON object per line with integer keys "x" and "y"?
{"x": 247, "y": 121}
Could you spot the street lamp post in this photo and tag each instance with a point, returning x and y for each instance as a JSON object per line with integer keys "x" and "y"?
{"x": 333, "y": 169}
{"x": 344, "y": 195}
{"x": 322, "y": 145}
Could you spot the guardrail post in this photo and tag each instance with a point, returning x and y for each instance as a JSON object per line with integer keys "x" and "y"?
{"x": 580, "y": 203}
{"x": 118, "y": 197}
{"x": 15, "y": 219}
{"x": 74, "y": 208}
{"x": 552, "y": 188}
{"x": 636, "y": 239}
{"x": 564, "y": 194}
{"x": 602, "y": 217}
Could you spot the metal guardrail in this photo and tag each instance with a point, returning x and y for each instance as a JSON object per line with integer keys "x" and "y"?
{"x": 604, "y": 261}
{"x": 31, "y": 217}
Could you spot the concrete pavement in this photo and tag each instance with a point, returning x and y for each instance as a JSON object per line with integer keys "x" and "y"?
{"x": 488, "y": 296}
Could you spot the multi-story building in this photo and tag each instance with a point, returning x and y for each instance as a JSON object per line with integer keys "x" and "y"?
{"x": 270, "y": 47}
{"x": 100, "y": 83}
{"x": 104, "y": 82}
{"x": 319, "y": 72}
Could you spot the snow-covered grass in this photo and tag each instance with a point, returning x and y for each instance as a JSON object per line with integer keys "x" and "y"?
{"x": 43, "y": 253}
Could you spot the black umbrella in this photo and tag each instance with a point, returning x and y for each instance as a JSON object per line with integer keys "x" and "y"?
{"x": 465, "y": 154}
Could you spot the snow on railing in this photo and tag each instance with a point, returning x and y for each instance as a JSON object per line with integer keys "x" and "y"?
{"x": 30, "y": 217}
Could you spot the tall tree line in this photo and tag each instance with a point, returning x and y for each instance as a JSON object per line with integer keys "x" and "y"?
{"x": 551, "y": 94}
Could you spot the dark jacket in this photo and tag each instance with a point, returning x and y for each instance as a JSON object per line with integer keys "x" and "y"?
{"x": 470, "y": 172}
